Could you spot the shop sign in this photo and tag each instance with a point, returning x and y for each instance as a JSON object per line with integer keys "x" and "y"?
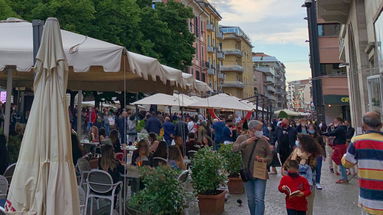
{"x": 336, "y": 99}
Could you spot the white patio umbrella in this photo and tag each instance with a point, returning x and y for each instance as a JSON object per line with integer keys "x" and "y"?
{"x": 44, "y": 180}
{"x": 222, "y": 101}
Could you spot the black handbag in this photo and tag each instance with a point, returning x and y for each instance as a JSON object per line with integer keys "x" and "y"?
{"x": 245, "y": 173}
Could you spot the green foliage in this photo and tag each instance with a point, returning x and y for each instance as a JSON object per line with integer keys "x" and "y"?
{"x": 282, "y": 115}
{"x": 162, "y": 195}
{"x": 207, "y": 171}
{"x": 5, "y": 10}
{"x": 233, "y": 160}
{"x": 161, "y": 33}
{"x": 14, "y": 144}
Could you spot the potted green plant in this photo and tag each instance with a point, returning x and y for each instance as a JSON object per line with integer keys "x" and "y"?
{"x": 162, "y": 193}
{"x": 207, "y": 175}
{"x": 232, "y": 165}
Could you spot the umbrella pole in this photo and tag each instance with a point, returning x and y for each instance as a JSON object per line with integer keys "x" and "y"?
{"x": 7, "y": 119}
{"x": 79, "y": 109}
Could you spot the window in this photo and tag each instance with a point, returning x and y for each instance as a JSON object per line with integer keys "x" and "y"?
{"x": 328, "y": 30}
{"x": 203, "y": 77}
{"x": 332, "y": 69}
{"x": 378, "y": 25}
{"x": 197, "y": 75}
{"x": 374, "y": 84}
{"x": 196, "y": 27}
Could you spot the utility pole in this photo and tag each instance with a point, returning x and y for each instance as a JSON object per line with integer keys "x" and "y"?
{"x": 314, "y": 58}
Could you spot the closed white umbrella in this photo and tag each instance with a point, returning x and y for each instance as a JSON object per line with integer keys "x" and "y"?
{"x": 44, "y": 180}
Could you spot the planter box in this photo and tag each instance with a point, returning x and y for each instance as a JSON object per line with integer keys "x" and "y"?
{"x": 211, "y": 204}
{"x": 235, "y": 185}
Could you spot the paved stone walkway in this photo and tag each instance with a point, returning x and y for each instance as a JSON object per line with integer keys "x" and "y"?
{"x": 334, "y": 199}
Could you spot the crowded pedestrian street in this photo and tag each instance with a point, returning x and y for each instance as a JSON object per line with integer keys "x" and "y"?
{"x": 191, "y": 107}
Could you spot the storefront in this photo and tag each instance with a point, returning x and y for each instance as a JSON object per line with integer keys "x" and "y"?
{"x": 336, "y": 106}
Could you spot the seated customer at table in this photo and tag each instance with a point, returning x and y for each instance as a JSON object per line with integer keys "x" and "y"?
{"x": 76, "y": 148}
{"x": 192, "y": 144}
{"x": 153, "y": 142}
{"x": 94, "y": 135}
{"x": 176, "y": 161}
{"x": 161, "y": 151}
{"x": 115, "y": 141}
{"x": 102, "y": 134}
{"x": 180, "y": 144}
{"x": 140, "y": 156}
{"x": 108, "y": 163}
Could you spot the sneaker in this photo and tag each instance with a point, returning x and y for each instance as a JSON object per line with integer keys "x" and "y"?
{"x": 319, "y": 187}
{"x": 340, "y": 181}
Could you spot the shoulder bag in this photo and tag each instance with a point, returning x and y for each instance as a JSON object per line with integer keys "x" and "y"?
{"x": 245, "y": 172}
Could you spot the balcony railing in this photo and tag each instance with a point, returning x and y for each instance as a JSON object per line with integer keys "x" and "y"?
{"x": 270, "y": 89}
{"x": 210, "y": 49}
{"x": 210, "y": 27}
{"x": 211, "y": 71}
{"x": 265, "y": 69}
{"x": 219, "y": 35}
{"x": 220, "y": 55}
{"x": 232, "y": 68}
{"x": 233, "y": 52}
{"x": 233, "y": 84}
{"x": 221, "y": 76}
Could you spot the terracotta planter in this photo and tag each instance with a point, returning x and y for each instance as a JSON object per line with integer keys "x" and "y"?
{"x": 211, "y": 204}
{"x": 235, "y": 185}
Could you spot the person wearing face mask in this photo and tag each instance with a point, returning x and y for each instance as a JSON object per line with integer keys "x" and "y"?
{"x": 302, "y": 127}
{"x": 254, "y": 148}
{"x": 285, "y": 137}
{"x": 339, "y": 147}
{"x": 313, "y": 132}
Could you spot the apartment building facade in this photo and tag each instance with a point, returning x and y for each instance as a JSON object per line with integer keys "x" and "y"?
{"x": 237, "y": 64}
{"x": 214, "y": 38}
{"x": 360, "y": 48}
{"x": 198, "y": 26}
{"x": 299, "y": 95}
{"x": 274, "y": 75}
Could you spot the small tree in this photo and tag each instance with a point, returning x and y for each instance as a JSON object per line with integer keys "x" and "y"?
{"x": 207, "y": 171}
{"x": 282, "y": 115}
{"x": 163, "y": 193}
{"x": 233, "y": 160}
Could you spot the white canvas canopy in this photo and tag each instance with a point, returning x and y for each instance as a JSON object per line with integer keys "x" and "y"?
{"x": 222, "y": 101}
{"x": 288, "y": 112}
{"x": 93, "y": 64}
{"x": 44, "y": 181}
{"x": 179, "y": 100}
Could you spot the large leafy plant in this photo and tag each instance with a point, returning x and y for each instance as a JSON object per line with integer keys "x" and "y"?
{"x": 207, "y": 172}
{"x": 162, "y": 195}
{"x": 232, "y": 160}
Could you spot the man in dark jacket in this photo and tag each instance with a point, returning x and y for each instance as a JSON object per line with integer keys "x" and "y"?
{"x": 339, "y": 147}
{"x": 169, "y": 130}
{"x": 153, "y": 124}
{"x": 285, "y": 137}
{"x": 350, "y": 131}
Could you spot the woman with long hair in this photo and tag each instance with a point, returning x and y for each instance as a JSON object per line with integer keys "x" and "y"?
{"x": 108, "y": 163}
{"x": 314, "y": 132}
{"x": 306, "y": 153}
{"x": 140, "y": 156}
{"x": 115, "y": 141}
{"x": 94, "y": 135}
{"x": 153, "y": 142}
{"x": 176, "y": 160}
{"x": 161, "y": 150}
{"x": 77, "y": 151}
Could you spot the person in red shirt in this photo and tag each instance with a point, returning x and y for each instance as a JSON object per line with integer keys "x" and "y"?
{"x": 296, "y": 189}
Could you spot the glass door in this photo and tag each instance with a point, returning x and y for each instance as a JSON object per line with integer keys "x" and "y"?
{"x": 375, "y": 95}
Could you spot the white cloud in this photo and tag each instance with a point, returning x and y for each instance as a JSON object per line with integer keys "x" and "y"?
{"x": 296, "y": 36}
{"x": 297, "y": 71}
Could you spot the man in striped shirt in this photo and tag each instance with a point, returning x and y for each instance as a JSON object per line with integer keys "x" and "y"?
{"x": 366, "y": 151}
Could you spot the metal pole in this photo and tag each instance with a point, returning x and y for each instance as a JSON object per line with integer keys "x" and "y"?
{"x": 257, "y": 104}
{"x": 7, "y": 117}
{"x": 263, "y": 108}
{"x": 37, "y": 26}
{"x": 79, "y": 110}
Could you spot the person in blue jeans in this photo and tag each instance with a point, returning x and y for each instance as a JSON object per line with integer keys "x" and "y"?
{"x": 314, "y": 132}
{"x": 254, "y": 147}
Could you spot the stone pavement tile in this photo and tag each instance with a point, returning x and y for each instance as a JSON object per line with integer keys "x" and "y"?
{"x": 334, "y": 199}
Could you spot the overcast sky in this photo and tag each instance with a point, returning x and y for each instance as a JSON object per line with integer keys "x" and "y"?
{"x": 275, "y": 27}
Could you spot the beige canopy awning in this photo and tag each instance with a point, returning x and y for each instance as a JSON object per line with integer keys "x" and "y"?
{"x": 93, "y": 64}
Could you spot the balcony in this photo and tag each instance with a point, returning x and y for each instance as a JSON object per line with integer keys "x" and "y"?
{"x": 220, "y": 55}
{"x": 233, "y": 52}
{"x": 233, "y": 84}
{"x": 265, "y": 69}
{"x": 221, "y": 76}
{"x": 219, "y": 35}
{"x": 270, "y": 96}
{"x": 269, "y": 80}
{"x": 270, "y": 89}
{"x": 232, "y": 68}
{"x": 210, "y": 49}
{"x": 211, "y": 71}
{"x": 334, "y": 10}
{"x": 210, "y": 27}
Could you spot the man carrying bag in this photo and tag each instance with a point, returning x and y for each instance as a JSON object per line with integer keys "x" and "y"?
{"x": 256, "y": 154}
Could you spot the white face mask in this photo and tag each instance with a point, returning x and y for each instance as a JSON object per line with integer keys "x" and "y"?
{"x": 297, "y": 143}
{"x": 258, "y": 133}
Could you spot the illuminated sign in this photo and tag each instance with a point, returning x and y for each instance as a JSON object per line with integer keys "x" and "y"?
{"x": 336, "y": 99}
